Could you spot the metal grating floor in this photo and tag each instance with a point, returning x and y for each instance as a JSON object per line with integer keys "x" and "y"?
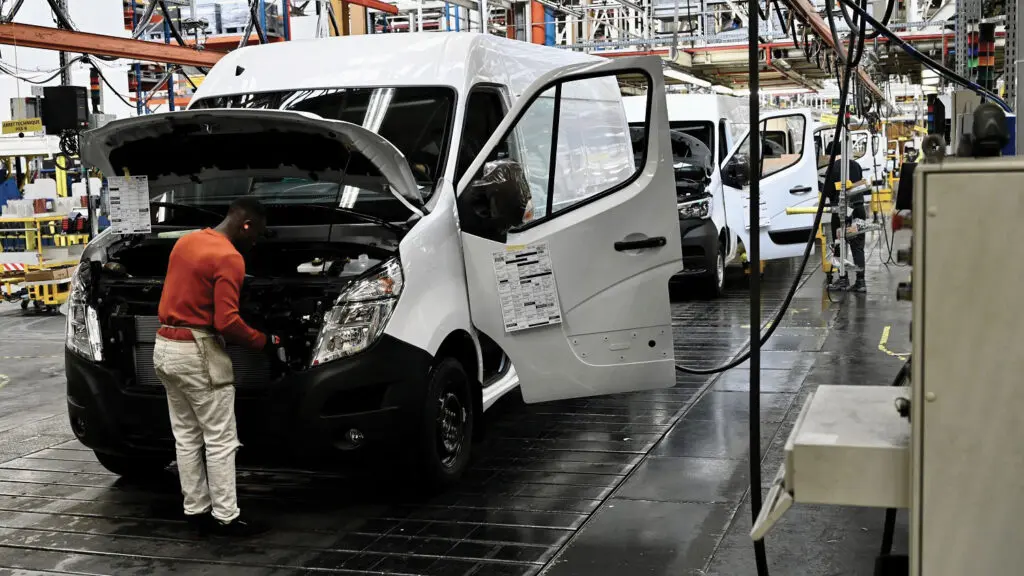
{"x": 541, "y": 473}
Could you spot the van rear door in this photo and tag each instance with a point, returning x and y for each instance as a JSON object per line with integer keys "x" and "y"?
{"x": 577, "y": 295}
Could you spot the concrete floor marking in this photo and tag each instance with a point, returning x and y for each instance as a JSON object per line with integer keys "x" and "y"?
{"x": 884, "y": 340}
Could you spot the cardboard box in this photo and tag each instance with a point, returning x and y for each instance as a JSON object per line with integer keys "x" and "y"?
{"x": 48, "y": 274}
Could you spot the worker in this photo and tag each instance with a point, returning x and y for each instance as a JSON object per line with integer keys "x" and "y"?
{"x": 856, "y": 203}
{"x": 198, "y": 313}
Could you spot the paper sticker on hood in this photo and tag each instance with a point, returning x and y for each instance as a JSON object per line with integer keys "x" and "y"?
{"x": 191, "y": 143}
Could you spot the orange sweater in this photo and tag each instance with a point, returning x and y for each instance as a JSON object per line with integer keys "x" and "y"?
{"x": 204, "y": 276}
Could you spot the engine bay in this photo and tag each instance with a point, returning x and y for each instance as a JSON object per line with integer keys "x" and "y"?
{"x": 289, "y": 287}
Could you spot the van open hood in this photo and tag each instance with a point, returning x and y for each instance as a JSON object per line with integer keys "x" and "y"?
{"x": 190, "y": 143}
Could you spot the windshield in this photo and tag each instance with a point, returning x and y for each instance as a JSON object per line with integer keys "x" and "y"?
{"x": 691, "y": 145}
{"x": 416, "y": 120}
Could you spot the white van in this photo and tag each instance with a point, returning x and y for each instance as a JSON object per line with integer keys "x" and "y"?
{"x": 867, "y": 149}
{"x": 405, "y": 273}
{"x": 714, "y": 220}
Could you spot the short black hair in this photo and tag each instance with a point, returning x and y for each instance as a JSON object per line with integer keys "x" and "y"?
{"x": 248, "y": 206}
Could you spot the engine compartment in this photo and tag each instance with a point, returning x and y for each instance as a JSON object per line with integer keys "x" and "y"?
{"x": 289, "y": 286}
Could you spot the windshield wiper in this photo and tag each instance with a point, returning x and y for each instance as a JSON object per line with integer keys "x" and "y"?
{"x": 400, "y": 231}
{"x": 186, "y": 207}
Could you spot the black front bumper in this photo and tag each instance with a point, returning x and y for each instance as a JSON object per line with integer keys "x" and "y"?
{"x": 700, "y": 247}
{"x": 379, "y": 392}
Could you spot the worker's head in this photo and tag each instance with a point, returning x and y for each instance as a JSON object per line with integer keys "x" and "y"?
{"x": 245, "y": 223}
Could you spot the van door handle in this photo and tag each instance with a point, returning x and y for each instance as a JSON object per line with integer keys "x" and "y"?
{"x": 655, "y": 242}
{"x": 800, "y": 190}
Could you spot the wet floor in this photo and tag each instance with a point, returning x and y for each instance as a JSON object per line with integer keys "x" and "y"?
{"x": 643, "y": 483}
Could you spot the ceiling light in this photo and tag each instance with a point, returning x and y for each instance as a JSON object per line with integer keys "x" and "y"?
{"x": 684, "y": 77}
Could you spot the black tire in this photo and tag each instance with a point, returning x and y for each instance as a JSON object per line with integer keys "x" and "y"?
{"x": 24, "y": 304}
{"x": 141, "y": 468}
{"x": 714, "y": 281}
{"x": 445, "y": 439}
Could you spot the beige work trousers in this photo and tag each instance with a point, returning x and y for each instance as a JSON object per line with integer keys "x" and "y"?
{"x": 202, "y": 414}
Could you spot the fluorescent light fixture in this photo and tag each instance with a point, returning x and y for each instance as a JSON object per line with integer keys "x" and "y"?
{"x": 793, "y": 90}
{"x": 723, "y": 90}
{"x": 684, "y": 77}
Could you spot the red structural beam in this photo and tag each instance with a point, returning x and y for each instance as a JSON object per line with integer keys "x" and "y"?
{"x": 375, "y": 5}
{"x": 70, "y": 41}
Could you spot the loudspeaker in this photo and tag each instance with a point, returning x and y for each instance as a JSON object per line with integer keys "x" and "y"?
{"x": 65, "y": 108}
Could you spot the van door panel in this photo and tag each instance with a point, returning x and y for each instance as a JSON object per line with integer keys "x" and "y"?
{"x": 605, "y": 221}
{"x": 789, "y": 179}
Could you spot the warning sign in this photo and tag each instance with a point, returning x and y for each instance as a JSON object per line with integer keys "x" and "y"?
{"x": 25, "y": 125}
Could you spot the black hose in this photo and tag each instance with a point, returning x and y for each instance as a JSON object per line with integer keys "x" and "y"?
{"x": 930, "y": 63}
{"x": 170, "y": 23}
{"x": 780, "y": 314}
{"x": 754, "y": 139}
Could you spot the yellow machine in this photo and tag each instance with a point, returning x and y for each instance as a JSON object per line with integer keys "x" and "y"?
{"x": 824, "y": 233}
{"x": 36, "y": 260}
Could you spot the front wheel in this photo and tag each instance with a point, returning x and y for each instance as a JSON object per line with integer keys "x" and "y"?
{"x": 132, "y": 468}
{"x": 446, "y": 433}
{"x": 714, "y": 282}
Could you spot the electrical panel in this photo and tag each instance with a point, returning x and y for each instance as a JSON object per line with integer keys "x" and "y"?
{"x": 65, "y": 108}
{"x": 968, "y": 468}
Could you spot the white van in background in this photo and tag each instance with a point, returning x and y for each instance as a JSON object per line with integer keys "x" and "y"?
{"x": 712, "y": 182}
{"x": 868, "y": 150}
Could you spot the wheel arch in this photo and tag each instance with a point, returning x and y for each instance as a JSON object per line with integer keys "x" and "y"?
{"x": 465, "y": 349}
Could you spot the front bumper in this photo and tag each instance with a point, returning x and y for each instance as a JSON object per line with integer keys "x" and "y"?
{"x": 700, "y": 246}
{"x": 379, "y": 392}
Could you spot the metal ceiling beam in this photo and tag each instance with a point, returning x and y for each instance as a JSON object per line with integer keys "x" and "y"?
{"x": 29, "y": 36}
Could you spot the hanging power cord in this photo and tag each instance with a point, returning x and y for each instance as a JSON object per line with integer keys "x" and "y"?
{"x": 13, "y": 72}
{"x": 917, "y": 55}
{"x": 111, "y": 86}
{"x": 854, "y": 58}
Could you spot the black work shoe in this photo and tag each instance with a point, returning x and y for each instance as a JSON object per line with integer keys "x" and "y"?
{"x": 859, "y": 286}
{"x": 240, "y": 527}
{"x": 201, "y": 522}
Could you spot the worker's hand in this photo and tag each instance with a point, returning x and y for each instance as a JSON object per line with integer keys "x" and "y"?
{"x": 275, "y": 349}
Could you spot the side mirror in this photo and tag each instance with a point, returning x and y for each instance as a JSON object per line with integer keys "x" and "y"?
{"x": 736, "y": 173}
{"x": 495, "y": 201}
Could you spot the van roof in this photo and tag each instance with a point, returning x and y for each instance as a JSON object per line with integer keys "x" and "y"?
{"x": 456, "y": 59}
{"x": 683, "y": 107}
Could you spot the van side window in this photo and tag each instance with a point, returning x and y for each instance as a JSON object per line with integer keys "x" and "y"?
{"x": 782, "y": 146}
{"x": 570, "y": 145}
{"x": 485, "y": 109}
{"x": 594, "y": 146}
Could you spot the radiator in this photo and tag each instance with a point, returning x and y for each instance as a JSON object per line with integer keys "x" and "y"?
{"x": 252, "y": 368}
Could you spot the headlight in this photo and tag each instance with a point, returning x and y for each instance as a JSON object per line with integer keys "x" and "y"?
{"x": 696, "y": 208}
{"x": 83, "y": 325}
{"x": 360, "y": 314}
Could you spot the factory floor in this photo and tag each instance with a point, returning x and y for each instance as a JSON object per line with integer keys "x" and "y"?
{"x": 638, "y": 484}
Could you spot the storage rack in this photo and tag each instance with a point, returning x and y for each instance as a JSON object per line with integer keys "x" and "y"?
{"x": 33, "y": 245}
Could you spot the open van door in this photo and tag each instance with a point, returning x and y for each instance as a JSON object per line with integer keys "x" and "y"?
{"x": 576, "y": 293}
{"x": 789, "y": 178}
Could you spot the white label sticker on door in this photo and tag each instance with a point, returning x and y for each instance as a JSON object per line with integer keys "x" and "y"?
{"x": 128, "y": 197}
{"x": 762, "y": 210}
{"x": 526, "y": 287}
